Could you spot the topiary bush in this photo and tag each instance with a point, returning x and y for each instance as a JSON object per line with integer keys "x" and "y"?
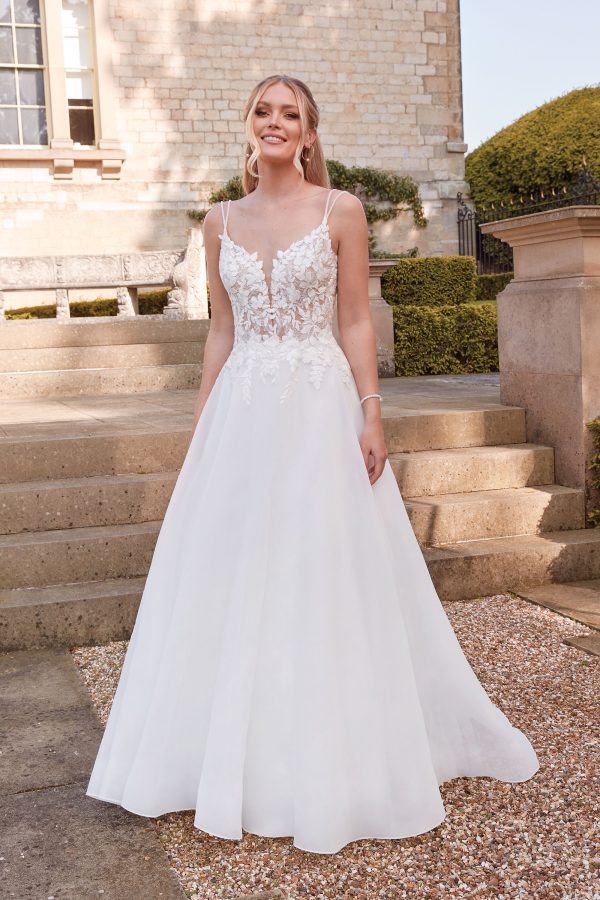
{"x": 489, "y": 286}
{"x": 543, "y": 148}
{"x": 445, "y": 340}
{"x": 430, "y": 281}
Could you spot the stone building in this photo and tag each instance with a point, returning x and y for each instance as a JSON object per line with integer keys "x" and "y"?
{"x": 117, "y": 116}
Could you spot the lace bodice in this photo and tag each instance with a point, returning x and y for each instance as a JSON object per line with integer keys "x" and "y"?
{"x": 288, "y": 318}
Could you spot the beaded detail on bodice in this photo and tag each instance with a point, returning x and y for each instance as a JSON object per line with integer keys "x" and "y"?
{"x": 289, "y": 319}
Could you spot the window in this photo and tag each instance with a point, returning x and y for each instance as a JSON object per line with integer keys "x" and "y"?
{"x": 23, "y": 119}
{"x": 79, "y": 71}
{"x": 57, "y": 95}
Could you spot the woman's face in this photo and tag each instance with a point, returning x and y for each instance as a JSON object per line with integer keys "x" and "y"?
{"x": 277, "y": 116}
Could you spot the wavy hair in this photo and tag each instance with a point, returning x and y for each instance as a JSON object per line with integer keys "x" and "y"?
{"x": 314, "y": 169}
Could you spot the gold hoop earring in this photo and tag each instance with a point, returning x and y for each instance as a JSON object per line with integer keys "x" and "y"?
{"x": 310, "y": 153}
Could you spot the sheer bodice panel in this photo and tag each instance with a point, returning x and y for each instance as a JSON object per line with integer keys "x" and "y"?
{"x": 290, "y": 319}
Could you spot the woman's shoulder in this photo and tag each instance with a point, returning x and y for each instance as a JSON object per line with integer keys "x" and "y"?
{"x": 346, "y": 199}
{"x": 348, "y": 207}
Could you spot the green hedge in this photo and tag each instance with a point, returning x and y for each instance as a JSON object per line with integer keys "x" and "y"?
{"x": 543, "y": 148}
{"x": 594, "y": 516}
{"x": 150, "y": 303}
{"x": 430, "y": 281}
{"x": 489, "y": 286}
{"x": 445, "y": 340}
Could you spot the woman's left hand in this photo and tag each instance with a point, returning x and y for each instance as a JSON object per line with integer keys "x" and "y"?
{"x": 372, "y": 443}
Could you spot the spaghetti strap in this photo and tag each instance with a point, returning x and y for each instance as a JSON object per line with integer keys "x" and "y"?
{"x": 224, "y": 215}
{"x": 329, "y": 208}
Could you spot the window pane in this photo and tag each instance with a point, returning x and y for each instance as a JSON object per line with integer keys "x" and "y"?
{"x": 79, "y": 86}
{"x": 27, "y": 12}
{"x": 82, "y": 126}
{"x": 34, "y": 126}
{"x": 9, "y": 128}
{"x": 29, "y": 46}
{"x": 6, "y": 45}
{"x": 8, "y": 86}
{"x": 75, "y": 14}
{"x": 4, "y": 11}
{"x": 31, "y": 87}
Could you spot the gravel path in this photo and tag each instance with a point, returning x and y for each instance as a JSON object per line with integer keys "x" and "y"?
{"x": 538, "y": 839}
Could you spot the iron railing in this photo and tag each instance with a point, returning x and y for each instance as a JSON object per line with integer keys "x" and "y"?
{"x": 493, "y": 256}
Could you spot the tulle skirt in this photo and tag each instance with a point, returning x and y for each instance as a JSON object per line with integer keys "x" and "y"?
{"x": 292, "y": 671}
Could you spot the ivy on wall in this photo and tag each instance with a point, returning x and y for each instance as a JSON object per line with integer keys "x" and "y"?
{"x": 399, "y": 191}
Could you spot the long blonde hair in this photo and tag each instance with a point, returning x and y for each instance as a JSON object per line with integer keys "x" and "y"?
{"x": 314, "y": 169}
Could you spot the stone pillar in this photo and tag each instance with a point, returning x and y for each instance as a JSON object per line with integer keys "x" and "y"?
{"x": 383, "y": 319}
{"x": 549, "y": 332}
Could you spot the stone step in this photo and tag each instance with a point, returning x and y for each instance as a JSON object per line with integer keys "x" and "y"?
{"x": 463, "y": 571}
{"x": 455, "y": 470}
{"x": 414, "y": 430}
{"x": 450, "y": 518}
{"x": 71, "y": 451}
{"x": 82, "y": 502}
{"x": 95, "y": 331}
{"x": 77, "y": 614}
{"x": 103, "y": 609}
{"x": 61, "y": 449}
{"x": 126, "y": 380}
{"x": 95, "y": 553}
{"x": 117, "y": 356}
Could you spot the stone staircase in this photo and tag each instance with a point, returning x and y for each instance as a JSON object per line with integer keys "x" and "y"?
{"x": 96, "y": 355}
{"x": 85, "y": 481}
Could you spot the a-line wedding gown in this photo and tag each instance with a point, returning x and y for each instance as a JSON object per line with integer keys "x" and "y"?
{"x": 292, "y": 671}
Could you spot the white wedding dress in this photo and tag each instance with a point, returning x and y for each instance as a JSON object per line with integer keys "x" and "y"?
{"x": 292, "y": 671}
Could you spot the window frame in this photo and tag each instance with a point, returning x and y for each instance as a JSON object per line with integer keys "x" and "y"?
{"x": 108, "y": 151}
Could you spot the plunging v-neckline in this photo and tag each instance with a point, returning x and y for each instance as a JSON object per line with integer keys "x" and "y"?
{"x": 280, "y": 253}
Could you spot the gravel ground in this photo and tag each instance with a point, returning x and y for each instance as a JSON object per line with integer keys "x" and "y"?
{"x": 538, "y": 839}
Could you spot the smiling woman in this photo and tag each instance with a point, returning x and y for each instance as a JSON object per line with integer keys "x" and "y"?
{"x": 292, "y": 671}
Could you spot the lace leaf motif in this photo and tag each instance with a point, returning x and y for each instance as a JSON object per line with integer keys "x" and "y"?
{"x": 291, "y": 323}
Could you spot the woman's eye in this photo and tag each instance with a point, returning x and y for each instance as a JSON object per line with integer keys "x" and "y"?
{"x": 263, "y": 112}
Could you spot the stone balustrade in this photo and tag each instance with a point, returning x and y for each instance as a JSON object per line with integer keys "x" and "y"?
{"x": 126, "y": 272}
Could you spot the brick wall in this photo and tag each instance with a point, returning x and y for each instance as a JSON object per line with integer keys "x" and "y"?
{"x": 385, "y": 73}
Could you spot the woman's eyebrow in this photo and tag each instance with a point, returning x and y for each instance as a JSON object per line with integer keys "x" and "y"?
{"x": 285, "y": 105}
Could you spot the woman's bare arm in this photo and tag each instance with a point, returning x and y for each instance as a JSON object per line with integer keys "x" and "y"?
{"x": 219, "y": 340}
{"x": 355, "y": 323}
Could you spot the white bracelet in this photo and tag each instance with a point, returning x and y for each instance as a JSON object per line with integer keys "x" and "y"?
{"x": 370, "y": 395}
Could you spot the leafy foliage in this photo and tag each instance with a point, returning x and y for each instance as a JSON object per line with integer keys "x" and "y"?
{"x": 489, "y": 286}
{"x": 594, "y": 516}
{"x": 150, "y": 303}
{"x": 545, "y": 147}
{"x": 445, "y": 340}
{"x": 430, "y": 281}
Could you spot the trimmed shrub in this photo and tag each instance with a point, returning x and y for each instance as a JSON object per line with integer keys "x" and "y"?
{"x": 489, "y": 286}
{"x": 445, "y": 340}
{"x": 543, "y": 148}
{"x": 150, "y": 303}
{"x": 430, "y": 281}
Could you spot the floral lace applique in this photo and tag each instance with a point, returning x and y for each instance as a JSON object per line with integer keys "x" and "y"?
{"x": 289, "y": 323}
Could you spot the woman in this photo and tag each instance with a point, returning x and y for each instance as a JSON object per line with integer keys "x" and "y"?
{"x": 291, "y": 671}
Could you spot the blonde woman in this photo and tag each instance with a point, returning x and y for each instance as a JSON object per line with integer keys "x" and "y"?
{"x": 292, "y": 671}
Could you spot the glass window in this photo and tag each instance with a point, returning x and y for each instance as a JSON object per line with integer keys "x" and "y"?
{"x": 79, "y": 69}
{"x": 23, "y": 117}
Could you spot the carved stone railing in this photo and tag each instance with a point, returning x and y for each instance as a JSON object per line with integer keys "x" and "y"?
{"x": 126, "y": 272}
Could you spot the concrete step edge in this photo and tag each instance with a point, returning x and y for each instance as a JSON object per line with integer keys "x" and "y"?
{"x": 11, "y": 598}
{"x": 75, "y": 535}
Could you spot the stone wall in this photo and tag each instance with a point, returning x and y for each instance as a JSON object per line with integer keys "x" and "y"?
{"x": 386, "y": 76}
